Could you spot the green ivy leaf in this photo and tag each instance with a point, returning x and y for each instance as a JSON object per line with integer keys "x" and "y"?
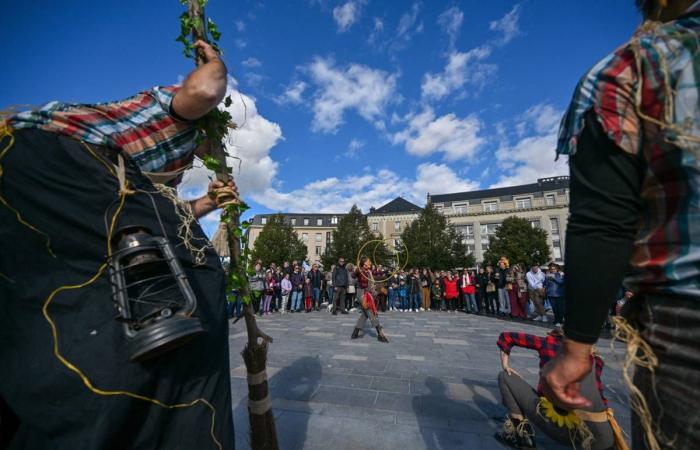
{"x": 211, "y": 163}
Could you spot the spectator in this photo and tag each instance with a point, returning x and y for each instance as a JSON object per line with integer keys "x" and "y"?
{"x": 414, "y": 290}
{"x": 436, "y": 295}
{"x": 286, "y": 289}
{"x": 518, "y": 294}
{"x": 297, "y": 280}
{"x": 535, "y": 290}
{"x": 329, "y": 284}
{"x": 468, "y": 288}
{"x": 403, "y": 295}
{"x": 481, "y": 283}
{"x": 257, "y": 286}
{"x": 393, "y": 294}
{"x": 554, "y": 286}
{"x": 269, "y": 286}
{"x": 491, "y": 290}
{"x": 451, "y": 292}
{"x": 308, "y": 294}
{"x": 316, "y": 277}
{"x": 340, "y": 286}
{"x": 502, "y": 274}
{"x": 425, "y": 282}
{"x": 351, "y": 293}
{"x": 277, "y": 298}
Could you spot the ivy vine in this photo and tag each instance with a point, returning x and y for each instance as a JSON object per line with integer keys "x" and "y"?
{"x": 215, "y": 126}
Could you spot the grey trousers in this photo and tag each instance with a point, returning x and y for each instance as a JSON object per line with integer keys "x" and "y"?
{"x": 671, "y": 326}
{"x": 339, "y": 297}
{"x": 503, "y": 301}
{"x": 365, "y": 313}
{"x": 520, "y": 398}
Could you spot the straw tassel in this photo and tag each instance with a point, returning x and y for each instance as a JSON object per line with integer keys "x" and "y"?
{"x": 220, "y": 241}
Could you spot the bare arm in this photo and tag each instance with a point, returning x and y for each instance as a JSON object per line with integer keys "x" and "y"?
{"x": 204, "y": 88}
{"x": 505, "y": 363}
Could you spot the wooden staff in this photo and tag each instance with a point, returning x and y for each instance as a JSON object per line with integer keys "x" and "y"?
{"x": 262, "y": 422}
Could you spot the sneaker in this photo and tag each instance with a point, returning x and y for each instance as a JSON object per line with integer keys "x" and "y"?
{"x": 422, "y": 309}
{"x": 545, "y": 319}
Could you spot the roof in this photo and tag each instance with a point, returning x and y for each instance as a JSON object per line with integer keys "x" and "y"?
{"x": 313, "y": 219}
{"x": 397, "y": 205}
{"x": 542, "y": 185}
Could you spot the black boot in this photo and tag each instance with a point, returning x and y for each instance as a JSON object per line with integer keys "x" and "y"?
{"x": 380, "y": 335}
{"x": 355, "y": 333}
{"x": 517, "y": 434}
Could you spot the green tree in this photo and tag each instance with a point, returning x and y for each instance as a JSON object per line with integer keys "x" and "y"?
{"x": 278, "y": 243}
{"x": 518, "y": 241}
{"x": 349, "y": 237}
{"x": 433, "y": 242}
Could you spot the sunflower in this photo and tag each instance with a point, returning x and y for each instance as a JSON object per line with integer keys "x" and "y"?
{"x": 557, "y": 416}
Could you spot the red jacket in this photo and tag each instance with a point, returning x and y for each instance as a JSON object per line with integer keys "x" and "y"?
{"x": 450, "y": 288}
{"x": 467, "y": 283}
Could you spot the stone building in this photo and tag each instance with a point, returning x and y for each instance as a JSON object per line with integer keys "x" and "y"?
{"x": 477, "y": 214}
{"x": 315, "y": 230}
{"x": 391, "y": 219}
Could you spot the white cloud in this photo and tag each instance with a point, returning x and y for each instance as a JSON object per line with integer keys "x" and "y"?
{"x": 531, "y": 155}
{"x": 365, "y": 190}
{"x": 408, "y": 27}
{"x": 346, "y": 15}
{"x": 354, "y": 148}
{"x": 293, "y": 94}
{"x": 251, "y": 63}
{"x": 450, "y": 22}
{"x": 241, "y": 43}
{"x": 507, "y": 25}
{"x": 457, "y": 138}
{"x": 355, "y": 87}
{"x": 377, "y": 29}
{"x": 462, "y": 68}
{"x": 252, "y": 143}
{"x": 240, "y": 25}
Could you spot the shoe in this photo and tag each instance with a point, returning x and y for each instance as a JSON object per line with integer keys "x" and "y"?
{"x": 517, "y": 434}
{"x": 344, "y": 311}
{"x": 422, "y": 309}
{"x": 335, "y": 312}
{"x": 557, "y": 325}
{"x": 355, "y": 333}
{"x": 380, "y": 336}
{"x": 545, "y": 319}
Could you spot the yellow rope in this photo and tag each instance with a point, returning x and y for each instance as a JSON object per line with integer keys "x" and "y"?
{"x": 86, "y": 381}
{"x": 6, "y": 132}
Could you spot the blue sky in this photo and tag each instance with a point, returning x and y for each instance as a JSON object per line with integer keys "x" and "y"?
{"x": 345, "y": 101}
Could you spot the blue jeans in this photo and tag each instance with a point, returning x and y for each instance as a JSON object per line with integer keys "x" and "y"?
{"x": 392, "y": 300}
{"x": 316, "y": 297}
{"x": 416, "y": 301}
{"x": 233, "y": 308}
{"x": 329, "y": 292}
{"x": 470, "y": 303}
{"x": 297, "y": 297}
{"x": 404, "y": 303}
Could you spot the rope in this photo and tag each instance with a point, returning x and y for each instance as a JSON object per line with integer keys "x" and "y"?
{"x": 259, "y": 407}
{"x": 257, "y": 378}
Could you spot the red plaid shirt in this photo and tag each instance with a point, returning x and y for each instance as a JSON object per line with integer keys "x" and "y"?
{"x": 547, "y": 347}
{"x": 143, "y": 126}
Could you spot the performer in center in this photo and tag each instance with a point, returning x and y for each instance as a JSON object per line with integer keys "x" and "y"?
{"x": 365, "y": 294}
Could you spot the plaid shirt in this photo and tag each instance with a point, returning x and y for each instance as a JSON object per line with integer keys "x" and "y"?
{"x": 547, "y": 348}
{"x": 623, "y": 88}
{"x": 143, "y": 126}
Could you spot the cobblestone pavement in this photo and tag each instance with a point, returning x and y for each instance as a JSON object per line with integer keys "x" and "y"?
{"x": 433, "y": 387}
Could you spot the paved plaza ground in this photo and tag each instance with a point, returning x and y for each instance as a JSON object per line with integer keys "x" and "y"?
{"x": 433, "y": 387}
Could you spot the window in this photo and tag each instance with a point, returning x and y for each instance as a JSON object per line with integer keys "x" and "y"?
{"x": 305, "y": 237}
{"x": 306, "y": 221}
{"x": 554, "y": 222}
{"x": 557, "y": 250}
{"x": 397, "y": 225}
{"x": 535, "y": 223}
{"x": 397, "y": 243}
{"x": 461, "y": 208}
{"x": 319, "y": 236}
{"x": 469, "y": 231}
{"x": 334, "y": 220}
{"x": 489, "y": 229}
{"x": 294, "y": 221}
{"x": 439, "y": 208}
{"x": 319, "y": 222}
{"x": 375, "y": 226}
{"x": 318, "y": 249}
{"x": 484, "y": 247}
{"x": 328, "y": 237}
{"x": 523, "y": 203}
{"x": 550, "y": 199}
{"x": 263, "y": 220}
{"x": 490, "y": 206}
{"x": 470, "y": 249}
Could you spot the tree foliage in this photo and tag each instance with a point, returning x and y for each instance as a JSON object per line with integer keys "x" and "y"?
{"x": 433, "y": 242}
{"x": 349, "y": 237}
{"x": 278, "y": 242}
{"x": 517, "y": 240}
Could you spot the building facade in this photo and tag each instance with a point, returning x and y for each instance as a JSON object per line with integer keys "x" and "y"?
{"x": 315, "y": 230}
{"x": 391, "y": 219}
{"x": 477, "y": 214}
